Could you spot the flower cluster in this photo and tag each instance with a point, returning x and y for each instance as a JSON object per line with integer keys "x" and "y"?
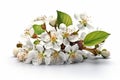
{"x": 57, "y": 40}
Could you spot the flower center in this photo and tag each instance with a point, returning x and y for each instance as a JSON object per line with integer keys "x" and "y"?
{"x": 27, "y": 32}
{"x": 72, "y": 55}
{"x": 55, "y": 54}
{"x": 53, "y": 38}
{"x": 40, "y": 56}
{"x": 65, "y": 35}
{"x": 84, "y": 22}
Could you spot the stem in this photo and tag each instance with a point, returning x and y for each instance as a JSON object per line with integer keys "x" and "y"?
{"x": 83, "y": 47}
{"x": 92, "y": 50}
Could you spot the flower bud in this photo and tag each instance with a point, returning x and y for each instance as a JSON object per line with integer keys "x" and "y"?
{"x": 105, "y": 53}
{"x": 52, "y": 21}
{"x": 22, "y": 55}
{"x": 15, "y": 51}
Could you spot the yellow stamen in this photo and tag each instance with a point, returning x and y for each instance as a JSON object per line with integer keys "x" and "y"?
{"x": 55, "y": 54}
{"x": 53, "y": 38}
{"x": 40, "y": 56}
{"x": 65, "y": 35}
{"x": 72, "y": 55}
{"x": 84, "y": 22}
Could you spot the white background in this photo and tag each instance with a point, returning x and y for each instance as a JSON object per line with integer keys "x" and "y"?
{"x": 16, "y": 15}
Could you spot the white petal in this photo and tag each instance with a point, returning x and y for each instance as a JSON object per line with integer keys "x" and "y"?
{"x": 62, "y": 27}
{"x": 75, "y": 48}
{"x": 82, "y": 35}
{"x": 48, "y": 45}
{"x": 64, "y": 56}
{"x": 77, "y": 16}
{"x": 83, "y": 16}
{"x": 81, "y": 27}
{"x": 36, "y": 61}
{"x": 28, "y": 60}
{"x": 32, "y": 54}
{"x": 91, "y": 56}
{"x": 15, "y": 51}
{"x": 66, "y": 42}
{"x": 79, "y": 52}
{"x": 59, "y": 39}
{"x": 45, "y": 37}
{"x": 56, "y": 47}
{"x": 71, "y": 29}
{"x": 47, "y": 60}
{"x": 82, "y": 52}
{"x": 73, "y": 38}
{"x": 31, "y": 32}
{"x": 40, "y": 48}
{"x": 79, "y": 57}
{"x": 48, "y": 52}
{"x": 68, "y": 48}
{"x": 38, "y": 22}
{"x": 29, "y": 43}
{"x": 89, "y": 26}
{"x": 52, "y": 20}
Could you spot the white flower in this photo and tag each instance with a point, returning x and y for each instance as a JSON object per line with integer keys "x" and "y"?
{"x": 40, "y": 20}
{"x": 43, "y": 19}
{"x": 28, "y": 44}
{"x": 28, "y": 33}
{"x": 55, "y": 57}
{"x": 83, "y": 19}
{"x": 16, "y": 51}
{"x": 68, "y": 34}
{"x": 91, "y": 56}
{"x": 22, "y": 54}
{"x": 52, "y": 20}
{"x": 105, "y": 53}
{"x": 53, "y": 40}
{"x": 74, "y": 54}
{"x": 40, "y": 55}
{"x": 31, "y": 56}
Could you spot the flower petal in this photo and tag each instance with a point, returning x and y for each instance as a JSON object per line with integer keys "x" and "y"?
{"x": 56, "y": 47}
{"x": 48, "y": 52}
{"x": 75, "y": 48}
{"x": 64, "y": 56}
{"x": 66, "y": 42}
{"x": 79, "y": 57}
{"x": 59, "y": 39}
{"x": 36, "y": 61}
{"x": 73, "y": 38}
{"x": 45, "y": 37}
{"x": 62, "y": 27}
{"x": 77, "y": 16}
{"x": 81, "y": 27}
{"x": 47, "y": 60}
{"x": 31, "y": 55}
{"x": 82, "y": 36}
{"x": 40, "y": 48}
{"x": 48, "y": 45}
{"x": 89, "y": 26}
{"x": 68, "y": 48}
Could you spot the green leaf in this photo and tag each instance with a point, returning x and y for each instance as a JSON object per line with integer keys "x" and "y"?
{"x": 36, "y": 42}
{"x": 63, "y": 18}
{"x": 95, "y": 37}
{"x": 38, "y": 29}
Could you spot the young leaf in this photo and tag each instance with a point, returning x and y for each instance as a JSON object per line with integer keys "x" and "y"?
{"x": 37, "y": 29}
{"x": 63, "y": 18}
{"x": 95, "y": 37}
{"x": 36, "y": 42}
